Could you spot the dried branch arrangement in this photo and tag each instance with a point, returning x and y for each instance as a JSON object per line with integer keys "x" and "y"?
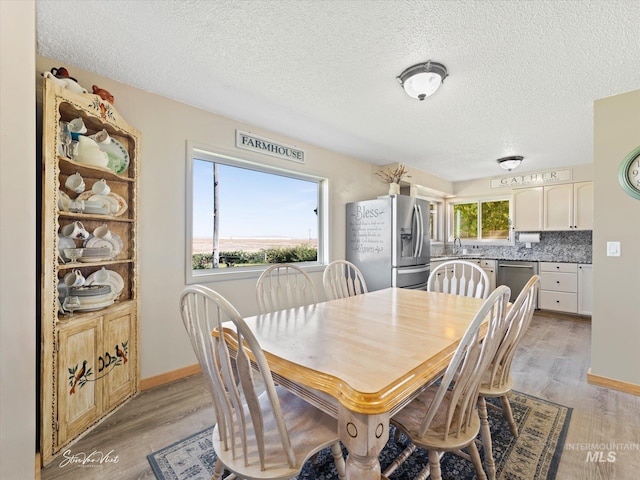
{"x": 395, "y": 175}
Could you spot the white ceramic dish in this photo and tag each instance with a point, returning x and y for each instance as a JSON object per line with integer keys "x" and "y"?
{"x": 115, "y": 281}
{"x": 118, "y": 156}
{"x": 96, "y": 210}
{"x": 98, "y": 243}
{"x": 97, "y": 299}
{"x": 64, "y": 201}
{"x": 114, "y": 203}
{"x": 90, "y": 307}
{"x": 64, "y": 242}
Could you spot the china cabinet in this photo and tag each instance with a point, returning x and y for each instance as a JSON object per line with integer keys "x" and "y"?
{"x": 89, "y": 345}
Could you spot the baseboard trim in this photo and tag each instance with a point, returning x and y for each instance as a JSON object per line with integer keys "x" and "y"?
{"x": 167, "y": 377}
{"x": 619, "y": 385}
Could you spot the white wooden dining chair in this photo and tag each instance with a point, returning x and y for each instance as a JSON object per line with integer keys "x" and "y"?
{"x": 284, "y": 286}
{"x": 497, "y": 381}
{"x": 459, "y": 277}
{"x": 444, "y": 418}
{"x": 258, "y": 436}
{"x": 343, "y": 279}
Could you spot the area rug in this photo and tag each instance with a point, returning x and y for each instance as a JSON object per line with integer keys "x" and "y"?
{"x": 535, "y": 455}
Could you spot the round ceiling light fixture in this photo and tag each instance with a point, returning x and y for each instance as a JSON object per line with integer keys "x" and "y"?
{"x": 422, "y": 80}
{"x": 509, "y": 163}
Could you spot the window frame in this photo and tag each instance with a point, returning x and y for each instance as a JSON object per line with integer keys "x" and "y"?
{"x": 509, "y": 241}
{"x": 205, "y": 152}
{"x": 437, "y": 203}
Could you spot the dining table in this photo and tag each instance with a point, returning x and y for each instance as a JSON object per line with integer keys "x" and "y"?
{"x": 363, "y": 358}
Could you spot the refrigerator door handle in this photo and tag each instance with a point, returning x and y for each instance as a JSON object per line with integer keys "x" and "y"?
{"x": 421, "y": 230}
{"x": 407, "y": 271}
{"x": 416, "y": 231}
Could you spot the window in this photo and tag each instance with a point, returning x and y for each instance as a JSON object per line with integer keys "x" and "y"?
{"x": 482, "y": 221}
{"x": 245, "y": 216}
{"x": 435, "y": 216}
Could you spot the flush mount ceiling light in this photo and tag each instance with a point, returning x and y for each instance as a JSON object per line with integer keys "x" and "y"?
{"x": 509, "y": 163}
{"x": 422, "y": 80}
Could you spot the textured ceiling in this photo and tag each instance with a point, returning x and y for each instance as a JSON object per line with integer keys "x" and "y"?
{"x": 523, "y": 75}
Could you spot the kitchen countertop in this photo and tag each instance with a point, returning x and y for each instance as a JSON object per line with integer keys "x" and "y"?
{"x": 561, "y": 247}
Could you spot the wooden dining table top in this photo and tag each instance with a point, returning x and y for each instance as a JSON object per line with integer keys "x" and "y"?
{"x": 370, "y": 351}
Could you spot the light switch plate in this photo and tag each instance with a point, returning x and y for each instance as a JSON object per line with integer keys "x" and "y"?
{"x": 613, "y": 249}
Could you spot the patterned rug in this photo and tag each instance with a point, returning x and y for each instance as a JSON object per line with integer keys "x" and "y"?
{"x": 535, "y": 455}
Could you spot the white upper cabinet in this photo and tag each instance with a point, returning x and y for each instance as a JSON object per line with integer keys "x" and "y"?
{"x": 583, "y": 205}
{"x": 567, "y": 206}
{"x": 558, "y": 207}
{"x": 527, "y": 209}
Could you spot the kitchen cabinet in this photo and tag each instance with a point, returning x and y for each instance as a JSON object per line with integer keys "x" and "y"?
{"x": 489, "y": 267}
{"x": 528, "y": 204}
{"x": 558, "y": 287}
{"x": 585, "y": 289}
{"x": 568, "y": 206}
{"x": 89, "y": 363}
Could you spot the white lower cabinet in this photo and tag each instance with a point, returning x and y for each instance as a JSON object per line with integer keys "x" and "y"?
{"x": 559, "y": 287}
{"x": 585, "y": 289}
{"x": 489, "y": 267}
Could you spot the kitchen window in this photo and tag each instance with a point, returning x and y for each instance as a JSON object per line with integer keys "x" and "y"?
{"x": 482, "y": 221}
{"x": 244, "y": 216}
{"x": 435, "y": 220}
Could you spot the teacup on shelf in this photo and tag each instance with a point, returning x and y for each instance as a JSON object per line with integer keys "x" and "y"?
{"x": 75, "y": 183}
{"x": 75, "y": 230}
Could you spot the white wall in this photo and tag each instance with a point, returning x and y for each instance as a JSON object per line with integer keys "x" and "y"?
{"x": 165, "y": 126}
{"x": 17, "y": 240}
{"x": 615, "y": 336}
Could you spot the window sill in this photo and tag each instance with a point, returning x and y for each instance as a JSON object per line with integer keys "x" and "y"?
{"x": 241, "y": 273}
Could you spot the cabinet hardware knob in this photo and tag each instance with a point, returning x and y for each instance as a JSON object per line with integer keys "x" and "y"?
{"x": 557, "y": 301}
{"x": 558, "y": 281}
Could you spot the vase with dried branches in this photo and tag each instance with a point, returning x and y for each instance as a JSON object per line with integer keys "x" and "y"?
{"x": 393, "y": 177}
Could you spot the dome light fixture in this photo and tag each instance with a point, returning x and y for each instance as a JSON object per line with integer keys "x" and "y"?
{"x": 509, "y": 163}
{"x": 422, "y": 80}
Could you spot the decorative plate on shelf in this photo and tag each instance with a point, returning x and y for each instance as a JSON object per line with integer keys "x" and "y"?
{"x": 114, "y": 203}
{"x": 114, "y": 280}
{"x": 114, "y": 243}
{"x": 118, "y": 156}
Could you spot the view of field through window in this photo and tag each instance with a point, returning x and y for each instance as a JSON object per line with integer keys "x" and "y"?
{"x": 262, "y": 217}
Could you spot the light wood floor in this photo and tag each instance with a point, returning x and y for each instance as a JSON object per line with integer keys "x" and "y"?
{"x": 552, "y": 363}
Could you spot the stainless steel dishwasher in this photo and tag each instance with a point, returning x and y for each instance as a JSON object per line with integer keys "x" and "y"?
{"x": 515, "y": 274}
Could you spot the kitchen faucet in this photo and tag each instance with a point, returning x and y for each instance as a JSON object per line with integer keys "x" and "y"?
{"x": 459, "y": 244}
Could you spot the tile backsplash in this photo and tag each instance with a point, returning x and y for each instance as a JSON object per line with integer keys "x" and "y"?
{"x": 571, "y": 247}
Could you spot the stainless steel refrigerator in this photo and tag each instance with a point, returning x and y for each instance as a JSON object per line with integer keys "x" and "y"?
{"x": 388, "y": 239}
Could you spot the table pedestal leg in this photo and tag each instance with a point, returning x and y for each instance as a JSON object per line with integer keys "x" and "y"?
{"x": 364, "y": 436}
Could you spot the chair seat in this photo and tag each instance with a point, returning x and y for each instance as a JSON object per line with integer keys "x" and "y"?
{"x": 409, "y": 419}
{"x": 310, "y": 430}
{"x": 497, "y": 389}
